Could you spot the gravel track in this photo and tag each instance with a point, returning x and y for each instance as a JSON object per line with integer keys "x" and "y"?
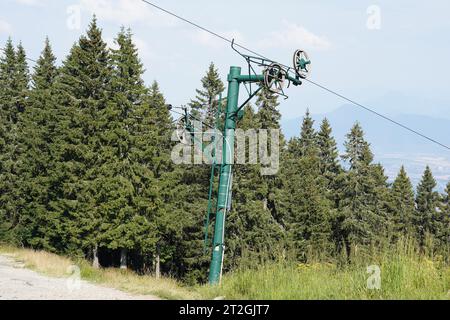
{"x": 17, "y": 283}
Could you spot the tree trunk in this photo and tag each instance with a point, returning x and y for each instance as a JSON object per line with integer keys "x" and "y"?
{"x": 157, "y": 263}
{"x": 95, "y": 261}
{"x": 123, "y": 258}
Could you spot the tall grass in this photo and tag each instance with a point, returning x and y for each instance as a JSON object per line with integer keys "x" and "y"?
{"x": 406, "y": 273}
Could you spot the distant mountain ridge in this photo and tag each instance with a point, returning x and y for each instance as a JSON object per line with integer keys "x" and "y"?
{"x": 384, "y": 136}
{"x": 391, "y": 144}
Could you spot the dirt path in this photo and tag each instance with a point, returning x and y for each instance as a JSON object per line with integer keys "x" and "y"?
{"x": 17, "y": 283}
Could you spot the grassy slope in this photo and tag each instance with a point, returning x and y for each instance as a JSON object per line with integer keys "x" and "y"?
{"x": 404, "y": 275}
{"x": 58, "y": 266}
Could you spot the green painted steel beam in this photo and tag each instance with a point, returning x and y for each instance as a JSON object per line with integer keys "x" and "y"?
{"x": 225, "y": 179}
{"x": 226, "y": 169}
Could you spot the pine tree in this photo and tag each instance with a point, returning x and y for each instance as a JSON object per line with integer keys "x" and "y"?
{"x": 167, "y": 218}
{"x": 306, "y": 211}
{"x": 306, "y": 143}
{"x": 428, "y": 220}
{"x": 38, "y": 225}
{"x": 7, "y": 63}
{"x": 268, "y": 118}
{"x": 192, "y": 190}
{"x": 268, "y": 115}
{"x": 205, "y": 104}
{"x": 81, "y": 98}
{"x": 403, "y": 205}
{"x": 330, "y": 167}
{"x": 124, "y": 180}
{"x": 328, "y": 152}
{"x": 253, "y": 233}
{"x": 362, "y": 216}
{"x": 14, "y": 80}
{"x": 21, "y": 80}
{"x": 358, "y": 153}
{"x": 332, "y": 173}
{"x": 445, "y": 209}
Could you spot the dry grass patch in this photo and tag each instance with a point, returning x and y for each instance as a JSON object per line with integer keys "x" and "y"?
{"x": 41, "y": 261}
{"x": 165, "y": 288}
{"x": 125, "y": 280}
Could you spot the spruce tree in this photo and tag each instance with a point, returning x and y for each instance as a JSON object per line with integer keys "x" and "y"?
{"x": 445, "y": 209}
{"x": 126, "y": 189}
{"x": 403, "y": 205}
{"x": 428, "y": 220}
{"x": 306, "y": 143}
{"x": 253, "y": 233}
{"x": 330, "y": 168}
{"x": 306, "y": 211}
{"x": 332, "y": 173}
{"x": 268, "y": 118}
{"x": 268, "y": 115}
{"x": 328, "y": 152}
{"x": 205, "y": 104}
{"x": 362, "y": 215}
{"x": 81, "y": 98}
{"x": 14, "y": 80}
{"x": 7, "y": 67}
{"x": 193, "y": 186}
{"x": 167, "y": 217}
{"x": 358, "y": 153}
{"x": 39, "y": 225}
{"x": 380, "y": 199}
{"x": 21, "y": 80}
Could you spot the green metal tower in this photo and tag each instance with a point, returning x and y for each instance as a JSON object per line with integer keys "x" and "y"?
{"x": 273, "y": 79}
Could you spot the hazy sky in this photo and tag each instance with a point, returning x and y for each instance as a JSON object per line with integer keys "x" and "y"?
{"x": 353, "y": 52}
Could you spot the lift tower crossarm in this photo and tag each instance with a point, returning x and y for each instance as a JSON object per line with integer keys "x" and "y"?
{"x": 260, "y": 78}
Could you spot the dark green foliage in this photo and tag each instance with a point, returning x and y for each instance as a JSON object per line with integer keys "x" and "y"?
{"x": 330, "y": 167}
{"x": 128, "y": 144}
{"x": 306, "y": 144}
{"x": 403, "y": 205}
{"x": 7, "y": 67}
{"x": 38, "y": 224}
{"x": 14, "y": 90}
{"x": 306, "y": 211}
{"x": 82, "y": 97}
{"x": 362, "y": 219}
{"x": 254, "y": 234}
{"x": 205, "y": 104}
{"x": 445, "y": 210}
{"x": 428, "y": 219}
{"x": 191, "y": 183}
{"x": 268, "y": 119}
{"x": 268, "y": 115}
